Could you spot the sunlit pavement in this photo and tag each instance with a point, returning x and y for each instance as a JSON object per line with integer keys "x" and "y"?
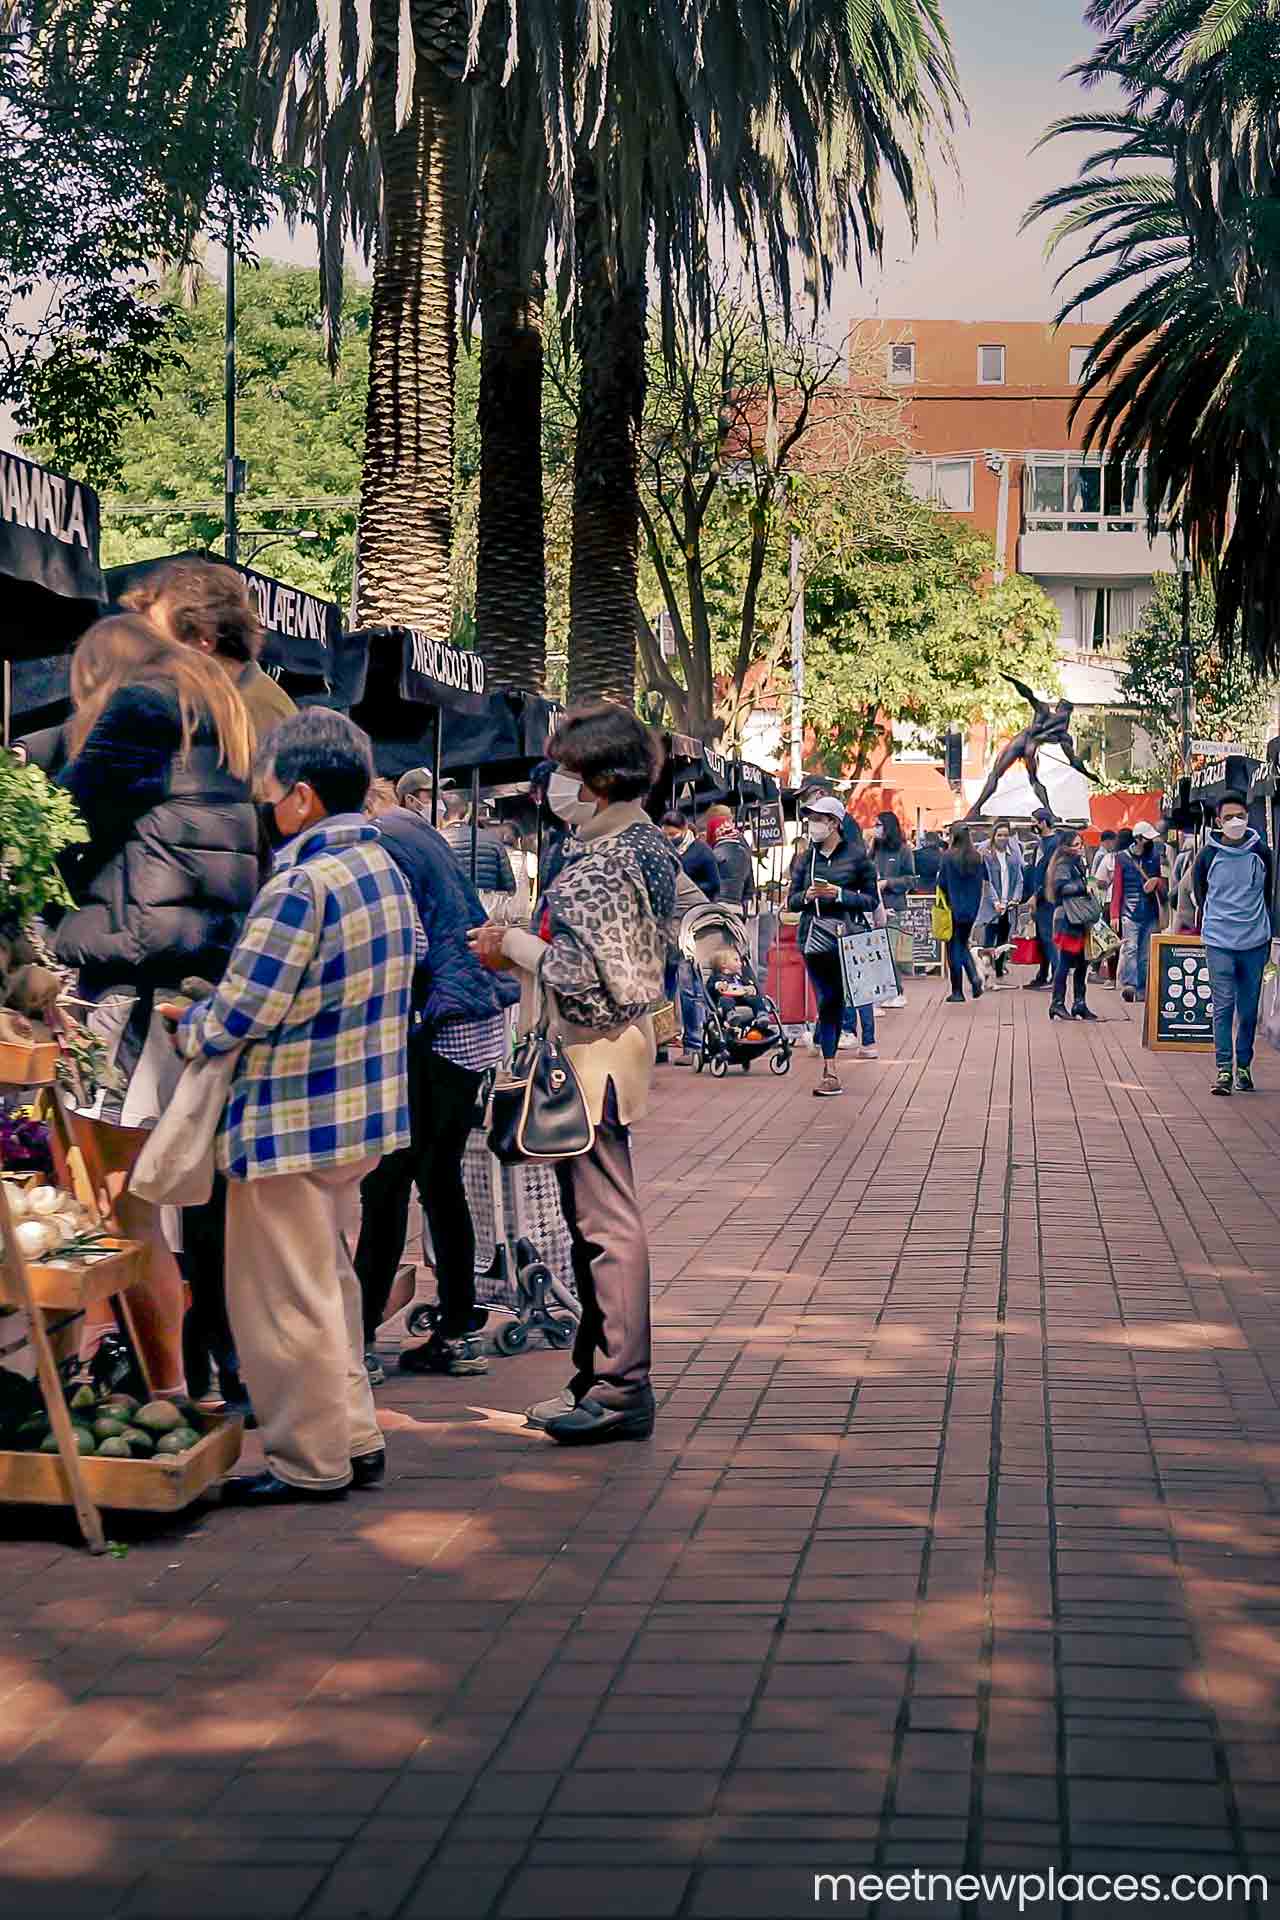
{"x": 956, "y": 1546}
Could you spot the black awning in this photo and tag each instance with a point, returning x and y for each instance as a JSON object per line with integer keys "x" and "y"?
{"x": 406, "y": 671}
{"x": 51, "y": 586}
{"x": 1211, "y": 784}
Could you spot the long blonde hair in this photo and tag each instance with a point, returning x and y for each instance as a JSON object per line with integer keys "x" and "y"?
{"x": 124, "y": 650}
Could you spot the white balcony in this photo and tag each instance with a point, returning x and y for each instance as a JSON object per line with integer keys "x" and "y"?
{"x": 1098, "y": 552}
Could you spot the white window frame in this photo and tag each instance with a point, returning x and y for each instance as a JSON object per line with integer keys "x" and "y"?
{"x": 933, "y": 498}
{"x": 895, "y": 377}
{"x": 1131, "y": 518}
{"x": 1076, "y": 359}
{"x": 992, "y": 347}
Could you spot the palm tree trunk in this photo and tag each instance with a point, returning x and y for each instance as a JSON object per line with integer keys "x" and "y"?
{"x": 406, "y": 494}
{"x": 511, "y": 573}
{"x": 604, "y": 569}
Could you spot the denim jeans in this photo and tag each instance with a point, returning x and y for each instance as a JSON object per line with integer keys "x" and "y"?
{"x": 693, "y": 1011}
{"x": 960, "y": 961}
{"x": 861, "y": 1020}
{"x": 1236, "y": 976}
{"x": 1135, "y": 945}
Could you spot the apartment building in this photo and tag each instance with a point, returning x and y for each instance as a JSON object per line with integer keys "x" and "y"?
{"x": 986, "y": 405}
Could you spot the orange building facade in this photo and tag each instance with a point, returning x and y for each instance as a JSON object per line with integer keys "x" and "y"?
{"x": 986, "y": 407}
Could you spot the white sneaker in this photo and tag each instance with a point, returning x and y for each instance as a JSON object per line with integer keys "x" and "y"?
{"x": 899, "y": 1000}
{"x": 869, "y": 1053}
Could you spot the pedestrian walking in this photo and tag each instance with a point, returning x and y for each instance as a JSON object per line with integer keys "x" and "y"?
{"x": 1067, "y": 882}
{"x": 1046, "y": 847}
{"x": 833, "y": 887}
{"x": 1005, "y": 877}
{"x": 961, "y": 879}
{"x": 701, "y": 877}
{"x": 159, "y": 747}
{"x": 594, "y": 969}
{"x": 896, "y": 870}
{"x": 458, "y": 1034}
{"x": 315, "y": 1000}
{"x": 928, "y": 861}
{"x": 1102, "y": 873}
{"x": 732, "y": 856}
{"x": 1234, "y": 885}
{"x": 1137, "y": 893}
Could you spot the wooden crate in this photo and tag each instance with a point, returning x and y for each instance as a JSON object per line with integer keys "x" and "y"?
{"x": 163, "y": 1485}
{"x": 23, "y": 1065}
{"x": 74, "y": 1280}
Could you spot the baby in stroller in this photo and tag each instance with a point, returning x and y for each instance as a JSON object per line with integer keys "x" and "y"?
{"x": 737, "y": 999}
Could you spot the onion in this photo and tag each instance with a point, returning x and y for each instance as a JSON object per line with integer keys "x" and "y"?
{"x": 35, "y": 1237}
{"x": 17, "y": 1198}
{"x": 44, "y": 1200}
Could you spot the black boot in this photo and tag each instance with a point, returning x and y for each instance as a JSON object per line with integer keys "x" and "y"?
{"x": 1082, "y": 1012}
{"x": 1058, "y": 1010}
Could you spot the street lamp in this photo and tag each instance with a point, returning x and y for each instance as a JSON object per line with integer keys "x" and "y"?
{"x": 1186, "y": 663}
{"x": 268, "y": 536}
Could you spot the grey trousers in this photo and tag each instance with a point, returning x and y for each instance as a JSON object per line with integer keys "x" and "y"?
{"x": 613, "y": 1352}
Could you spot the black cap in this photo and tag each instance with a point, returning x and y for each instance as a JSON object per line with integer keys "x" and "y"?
{"x": 1043, "y": 814}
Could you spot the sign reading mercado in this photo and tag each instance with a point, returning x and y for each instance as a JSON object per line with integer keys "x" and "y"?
{"x": 429, "y": 664}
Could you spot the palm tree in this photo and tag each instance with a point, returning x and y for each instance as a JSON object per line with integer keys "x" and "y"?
{"x": 776, "y": 121}
{"x": 1179, "y": 213}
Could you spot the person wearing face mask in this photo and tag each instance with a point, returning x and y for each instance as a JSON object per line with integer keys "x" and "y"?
{"x": 1068, "y": 879}
{"x": 315, "y": 1001}
{"x": 414, "y": 790}
{"x": 1234, "y": 886}
{"x": 833, "y": 888}
{"x": 1136, "y": 895}
{"x": 896, "y": 872}
{"x": 594, "y": 968}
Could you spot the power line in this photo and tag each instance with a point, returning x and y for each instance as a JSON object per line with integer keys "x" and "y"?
{"x": 180, "y": 509}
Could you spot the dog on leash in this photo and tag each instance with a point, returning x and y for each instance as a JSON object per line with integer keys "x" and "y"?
{"x": 986, "y": 958}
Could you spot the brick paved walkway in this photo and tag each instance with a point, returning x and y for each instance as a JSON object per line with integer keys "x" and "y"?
{"x": 957, "y": 1547}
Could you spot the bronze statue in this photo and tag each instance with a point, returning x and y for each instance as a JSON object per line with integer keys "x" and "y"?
{"x": 1050, "y": 727}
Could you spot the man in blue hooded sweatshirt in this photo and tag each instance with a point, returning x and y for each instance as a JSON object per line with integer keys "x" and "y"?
{"x": 1233, "y": 889}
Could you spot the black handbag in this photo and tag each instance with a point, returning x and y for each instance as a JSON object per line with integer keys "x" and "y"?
{"x": 537, "y": 1110}
{"x": 822, "y": 936}
{"x": 1081, "y": 911}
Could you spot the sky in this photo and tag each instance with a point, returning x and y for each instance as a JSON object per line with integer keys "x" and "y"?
{"x": 973, "y": 264}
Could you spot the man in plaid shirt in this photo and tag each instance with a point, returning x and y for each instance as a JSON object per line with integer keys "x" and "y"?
{"x": 317, "y": 996}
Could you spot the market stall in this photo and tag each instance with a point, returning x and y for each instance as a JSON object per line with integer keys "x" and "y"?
{"x": 51, "y": 585}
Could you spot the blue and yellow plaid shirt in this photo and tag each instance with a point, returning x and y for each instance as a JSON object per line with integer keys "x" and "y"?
{"x": 318, "y": 993}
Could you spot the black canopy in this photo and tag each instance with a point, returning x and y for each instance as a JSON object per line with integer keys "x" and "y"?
{"x": 304, "y": 647}
{"x": 51, "y": 586}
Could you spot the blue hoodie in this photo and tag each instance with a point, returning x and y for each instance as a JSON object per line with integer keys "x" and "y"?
{"x": 1232, "y": 884}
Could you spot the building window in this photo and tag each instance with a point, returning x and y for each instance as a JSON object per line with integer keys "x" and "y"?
{"x": 1075, "y": 493}
{"x": 1078, "y": 360}
{"x": 990, "y": 366}
{"x": 902, "y": 364}
{"x": 1106, "y": 616}
{"x": 942, "y": 483}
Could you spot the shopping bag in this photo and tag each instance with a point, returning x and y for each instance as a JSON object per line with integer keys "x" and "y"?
{"x": 943, "y": 924}
{"x": 868, "y": 968}
{"x": 175, "y": 1167}
{"x": 1103, "y": 942}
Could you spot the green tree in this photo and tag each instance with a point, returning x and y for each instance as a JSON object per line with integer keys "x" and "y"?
{"x": 299, "y": 428}
{"x": 101, "y": 179}
{"x": 1178, "y": 211}
{"x": 911, "y": 628}
{"x": 1231, "y": 702}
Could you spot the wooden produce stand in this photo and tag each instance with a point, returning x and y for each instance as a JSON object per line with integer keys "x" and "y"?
{"x": 54, "y": 1292}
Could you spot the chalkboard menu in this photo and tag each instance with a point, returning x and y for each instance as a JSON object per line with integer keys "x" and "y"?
{"x": 1179, "y": 1012}
{"x": 766, "y": 826}
{"x": 915, "y": 916}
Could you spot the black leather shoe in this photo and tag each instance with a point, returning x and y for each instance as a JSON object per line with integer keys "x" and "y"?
{"x": 1058, "y": 1011}
{"x": 369, "y": 1469}
{"x": 591, "y": 1424}
{"x": 1082, "y": 1012}
{"x": 268, "y": 1490}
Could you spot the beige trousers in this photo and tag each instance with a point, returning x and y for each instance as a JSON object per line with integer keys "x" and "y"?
{"x": 294, "y": 1305}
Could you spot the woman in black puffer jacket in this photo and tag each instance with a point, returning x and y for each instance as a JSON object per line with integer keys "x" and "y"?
{"x": 834, "y": 889}
{"x": 159, "y": 760}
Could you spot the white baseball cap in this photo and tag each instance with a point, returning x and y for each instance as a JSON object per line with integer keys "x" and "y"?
{"x": 827, "y": 805}
{"x": 1145, "y": 831}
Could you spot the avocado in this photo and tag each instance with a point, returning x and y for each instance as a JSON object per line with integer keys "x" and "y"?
{"x": 140, "y": 1444}
{"x": 106, "y": 1428}
{"x": 85, "y": 1442}
{"x": 181, "y": 1440}
{"x": 83, "y": 1399}
{"x": 121, "y": 1403}
{"x": 114, "y": 1447}
{"x": 158, "y": 1416}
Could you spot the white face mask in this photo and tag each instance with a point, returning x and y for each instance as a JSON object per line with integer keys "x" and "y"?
{"x": 819, "y": 831}
{"x": 567, "y": 800}
{"x": 1235, "y": 829}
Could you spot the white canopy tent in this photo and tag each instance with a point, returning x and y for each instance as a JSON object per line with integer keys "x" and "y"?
{"x": 1016, "y": 799}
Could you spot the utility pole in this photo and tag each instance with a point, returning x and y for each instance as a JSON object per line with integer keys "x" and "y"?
{"x": 1187, "y": 688}
{"x": 797, "y": 662}
{"x": 234, "y": 472}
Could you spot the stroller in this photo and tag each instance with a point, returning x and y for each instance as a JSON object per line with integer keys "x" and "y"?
{"x": 730, "y": 1039}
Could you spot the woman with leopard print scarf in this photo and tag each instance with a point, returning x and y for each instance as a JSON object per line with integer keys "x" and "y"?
{"x": 598, "y": 960}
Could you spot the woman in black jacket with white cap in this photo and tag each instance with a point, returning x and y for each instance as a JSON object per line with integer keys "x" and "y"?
{"x": 833, "y": 888}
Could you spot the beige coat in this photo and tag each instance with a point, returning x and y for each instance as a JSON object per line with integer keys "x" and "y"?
{"x": 624, "y": 1057}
